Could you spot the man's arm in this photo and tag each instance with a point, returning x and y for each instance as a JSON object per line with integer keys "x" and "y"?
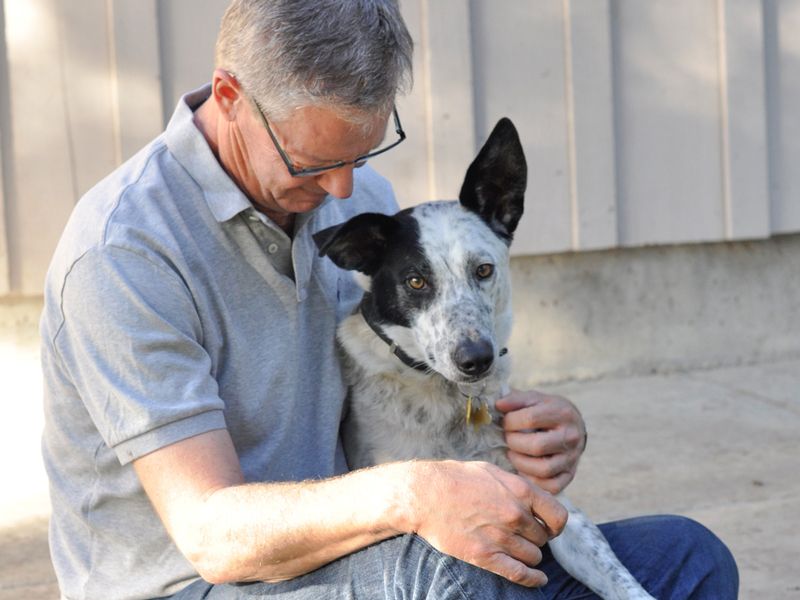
{"x": 233, "y": 531}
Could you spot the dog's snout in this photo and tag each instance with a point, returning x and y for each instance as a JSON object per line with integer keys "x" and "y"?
{"x": 473, "y": 357}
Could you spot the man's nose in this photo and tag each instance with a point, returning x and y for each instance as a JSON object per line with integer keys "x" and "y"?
{"x": 338, "y": 182}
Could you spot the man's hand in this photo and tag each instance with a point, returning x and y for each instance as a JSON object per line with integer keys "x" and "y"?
{"x": 485, "y": 516}
{"x": 545, "y": 435}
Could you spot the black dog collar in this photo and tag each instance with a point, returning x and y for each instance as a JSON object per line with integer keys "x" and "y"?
{"x": 394, "y": 348}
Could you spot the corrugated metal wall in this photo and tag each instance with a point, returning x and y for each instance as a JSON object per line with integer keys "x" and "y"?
{"x": 644, "y": 121}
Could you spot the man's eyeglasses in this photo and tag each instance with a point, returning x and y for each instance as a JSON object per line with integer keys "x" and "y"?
{"x": 311, "y": 171}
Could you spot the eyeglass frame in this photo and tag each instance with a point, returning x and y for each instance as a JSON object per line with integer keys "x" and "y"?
{"x": 311, "y": 171}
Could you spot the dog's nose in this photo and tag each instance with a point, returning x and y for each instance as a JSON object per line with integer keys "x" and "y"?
{"x": 474, "y": 358}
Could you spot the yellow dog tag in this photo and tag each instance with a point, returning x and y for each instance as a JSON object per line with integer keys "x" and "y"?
{"x": 480, "y": 417}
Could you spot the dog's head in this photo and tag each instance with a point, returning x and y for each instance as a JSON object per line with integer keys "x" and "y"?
{"x": 437, "y": 278}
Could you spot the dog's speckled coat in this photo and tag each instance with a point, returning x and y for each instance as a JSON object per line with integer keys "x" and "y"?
{"x": 396, "y": 412}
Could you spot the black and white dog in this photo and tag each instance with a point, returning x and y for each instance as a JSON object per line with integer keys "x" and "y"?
{"x": 437, "y": 292}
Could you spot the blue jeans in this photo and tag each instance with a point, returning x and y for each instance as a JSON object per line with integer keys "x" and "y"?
{"x": 673, "y": 557}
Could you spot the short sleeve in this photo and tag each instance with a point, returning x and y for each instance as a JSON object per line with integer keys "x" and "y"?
{"x": 131, "y": 342}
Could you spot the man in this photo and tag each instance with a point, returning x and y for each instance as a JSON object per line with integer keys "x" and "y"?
{"x": 193, "y": 394}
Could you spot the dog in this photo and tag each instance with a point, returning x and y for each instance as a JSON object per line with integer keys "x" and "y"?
{"x": 425, "y": 352}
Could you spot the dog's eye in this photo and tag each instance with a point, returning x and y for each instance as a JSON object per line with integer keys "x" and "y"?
{"x": 416, "y": 282}
{"x": 484, "y": 271}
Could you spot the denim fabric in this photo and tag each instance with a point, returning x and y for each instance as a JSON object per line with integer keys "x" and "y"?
{"x": 673, "y": 557}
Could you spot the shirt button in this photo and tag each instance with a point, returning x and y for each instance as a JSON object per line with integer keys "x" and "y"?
{"x": 272, "y": 248}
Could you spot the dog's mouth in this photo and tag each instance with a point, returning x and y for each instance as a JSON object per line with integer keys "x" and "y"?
{"x": 470, "y": 382}
{"x": 472, "y": 388}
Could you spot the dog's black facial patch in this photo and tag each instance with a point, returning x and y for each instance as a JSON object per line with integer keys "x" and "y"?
{"x": 392, "y": 298}
{"x": 358, "y": 244}
{"x": 388, "y": 250}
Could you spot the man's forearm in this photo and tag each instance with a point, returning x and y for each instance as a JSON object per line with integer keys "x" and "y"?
{"x": 276, "y": 531}
{"x": 232, "y": 531}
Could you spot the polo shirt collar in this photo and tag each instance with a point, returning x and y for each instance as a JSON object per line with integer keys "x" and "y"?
{"x": 190, "y": 148}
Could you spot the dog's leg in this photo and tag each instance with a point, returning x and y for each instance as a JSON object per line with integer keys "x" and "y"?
{"x": 585, "y": 554}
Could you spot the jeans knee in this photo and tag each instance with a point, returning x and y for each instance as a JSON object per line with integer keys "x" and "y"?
{"x": 708, "y": 554}
{"x": 704, "y": 540}
{"x": 425, "y": 572}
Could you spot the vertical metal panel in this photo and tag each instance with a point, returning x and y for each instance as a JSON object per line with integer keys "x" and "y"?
{"x": 438, "y": 115}
{"x": 783, "y": 23}
{"x": 670, "y": 190}
{"x": 5, "y": 195}
{"x": 409, "y": 166}
{"x": 135, "y": 73}
{"x": 5, "y": 281}
{"x": 743, "y": 116}
{"x": 44, "y": 174}
{"x": 519, "y": 73}
{"x": 86, "y": 67}
{"x": 187, "y": 33}
{"x": 449, "y": 84}
{"x": 590, "y": 100}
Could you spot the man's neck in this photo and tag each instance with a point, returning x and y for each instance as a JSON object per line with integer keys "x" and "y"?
{"x": 206, "y": 120}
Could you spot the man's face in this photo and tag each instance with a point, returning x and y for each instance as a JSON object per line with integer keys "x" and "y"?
{"x": 310, "y": 137}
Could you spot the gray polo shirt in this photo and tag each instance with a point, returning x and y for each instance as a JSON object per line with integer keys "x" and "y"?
{"x": 173, "y": 308}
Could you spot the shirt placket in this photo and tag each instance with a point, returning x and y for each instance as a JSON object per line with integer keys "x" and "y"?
{"x": 276, "y": 244}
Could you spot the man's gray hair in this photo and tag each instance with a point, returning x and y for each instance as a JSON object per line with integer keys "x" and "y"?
{"x": 351, "y": 55}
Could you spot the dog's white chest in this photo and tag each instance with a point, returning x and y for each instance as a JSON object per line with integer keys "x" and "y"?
{"x": 403, "y": 415}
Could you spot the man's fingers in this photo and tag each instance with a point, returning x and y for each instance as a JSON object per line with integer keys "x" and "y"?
{"x": 549, "y": 513}
{"x": 522, "y": 549}
{"x": 534, "y": 531}
{"x": 552, "y": 474}
{"x": 517, "y": 399}
{"x": 554, "y": 485}
{"x": 515, "y": 571}
{"x": 544, "y": 414}
{"x": 543, "y": 467}
{"x": 541, "y": 443}
{"x": 546, "y": 510}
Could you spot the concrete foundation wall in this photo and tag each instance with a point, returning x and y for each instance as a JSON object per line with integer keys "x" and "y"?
{"x": 616, "y": 312}
{"x": 656, "y": 309}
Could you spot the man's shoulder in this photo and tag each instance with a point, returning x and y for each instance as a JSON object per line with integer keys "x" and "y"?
{"x": 131, "y": 208}
{"x": 102, "y": 201}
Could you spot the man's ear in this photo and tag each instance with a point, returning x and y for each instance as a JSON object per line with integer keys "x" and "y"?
{"x": 358, "y": 244}
{"x": 227, "y": 92}
{"x": 494, "y": 186}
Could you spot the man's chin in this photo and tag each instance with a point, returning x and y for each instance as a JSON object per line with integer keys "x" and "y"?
{"x": 306, "y": 204}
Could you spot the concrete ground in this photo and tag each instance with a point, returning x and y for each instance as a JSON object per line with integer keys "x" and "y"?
{"x": 721, "y": 446}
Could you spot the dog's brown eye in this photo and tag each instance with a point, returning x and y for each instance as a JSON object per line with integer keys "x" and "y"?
{"x": 484, "y": 271}
{"x": 416, "y": 282}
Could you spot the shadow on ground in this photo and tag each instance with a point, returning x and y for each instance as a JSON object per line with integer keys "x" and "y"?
{"x": 25, "y": 569}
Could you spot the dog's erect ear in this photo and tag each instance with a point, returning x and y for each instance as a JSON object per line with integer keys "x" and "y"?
{"x": 494, "y": 186}
{"x": 358, "y": 244}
